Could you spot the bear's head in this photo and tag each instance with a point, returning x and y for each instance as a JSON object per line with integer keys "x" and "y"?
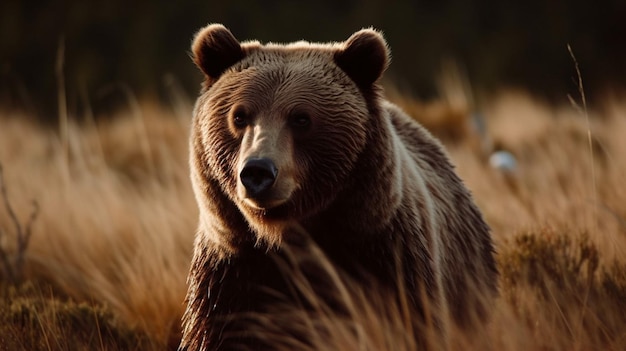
{"x": 279, "y": 128}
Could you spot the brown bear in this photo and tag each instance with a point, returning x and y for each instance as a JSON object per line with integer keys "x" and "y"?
{"x": 297, "y": 138}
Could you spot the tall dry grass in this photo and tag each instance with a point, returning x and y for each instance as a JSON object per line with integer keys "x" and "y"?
{"x": 117, "y": 214}
{"x": 117, "y": 220}
{"x": 557, "y": 183}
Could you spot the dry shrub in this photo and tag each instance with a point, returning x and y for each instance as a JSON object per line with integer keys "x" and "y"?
{"x": 557, "y": 287}
{"x": 35, "y": 318}
{"x": 14, "y": 243}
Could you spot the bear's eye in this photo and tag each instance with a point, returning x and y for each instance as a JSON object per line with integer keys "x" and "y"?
{"x": 300, "y": 121}
{"x": 240, "y": 118}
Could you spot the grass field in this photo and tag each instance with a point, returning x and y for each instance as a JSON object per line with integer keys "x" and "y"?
{"x": 114, "y": 220}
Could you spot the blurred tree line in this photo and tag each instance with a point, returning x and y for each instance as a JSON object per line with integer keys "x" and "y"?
{"x": 114, "y": 47}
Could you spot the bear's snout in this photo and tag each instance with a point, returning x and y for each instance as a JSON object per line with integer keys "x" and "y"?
{"x": 258, "y": 176}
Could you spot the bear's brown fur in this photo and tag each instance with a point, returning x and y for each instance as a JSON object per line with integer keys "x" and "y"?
{"x": 297, "y": 138}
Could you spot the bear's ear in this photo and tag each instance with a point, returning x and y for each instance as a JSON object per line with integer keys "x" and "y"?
{"x": 215, "y": 49}
{"x": 364, "y": 57}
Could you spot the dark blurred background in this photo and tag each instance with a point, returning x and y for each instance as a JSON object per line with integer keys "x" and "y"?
{"x": 113, "y": 48}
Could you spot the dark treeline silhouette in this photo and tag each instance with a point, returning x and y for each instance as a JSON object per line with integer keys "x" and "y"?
{"x": 112, "y": 48}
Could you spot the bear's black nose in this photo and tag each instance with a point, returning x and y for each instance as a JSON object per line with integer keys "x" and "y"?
{"x": 258, "y": 175}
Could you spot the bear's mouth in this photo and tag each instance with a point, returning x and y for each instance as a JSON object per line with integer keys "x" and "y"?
{"x": 277, "y": 212}
{"x": 264, "y": 204}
